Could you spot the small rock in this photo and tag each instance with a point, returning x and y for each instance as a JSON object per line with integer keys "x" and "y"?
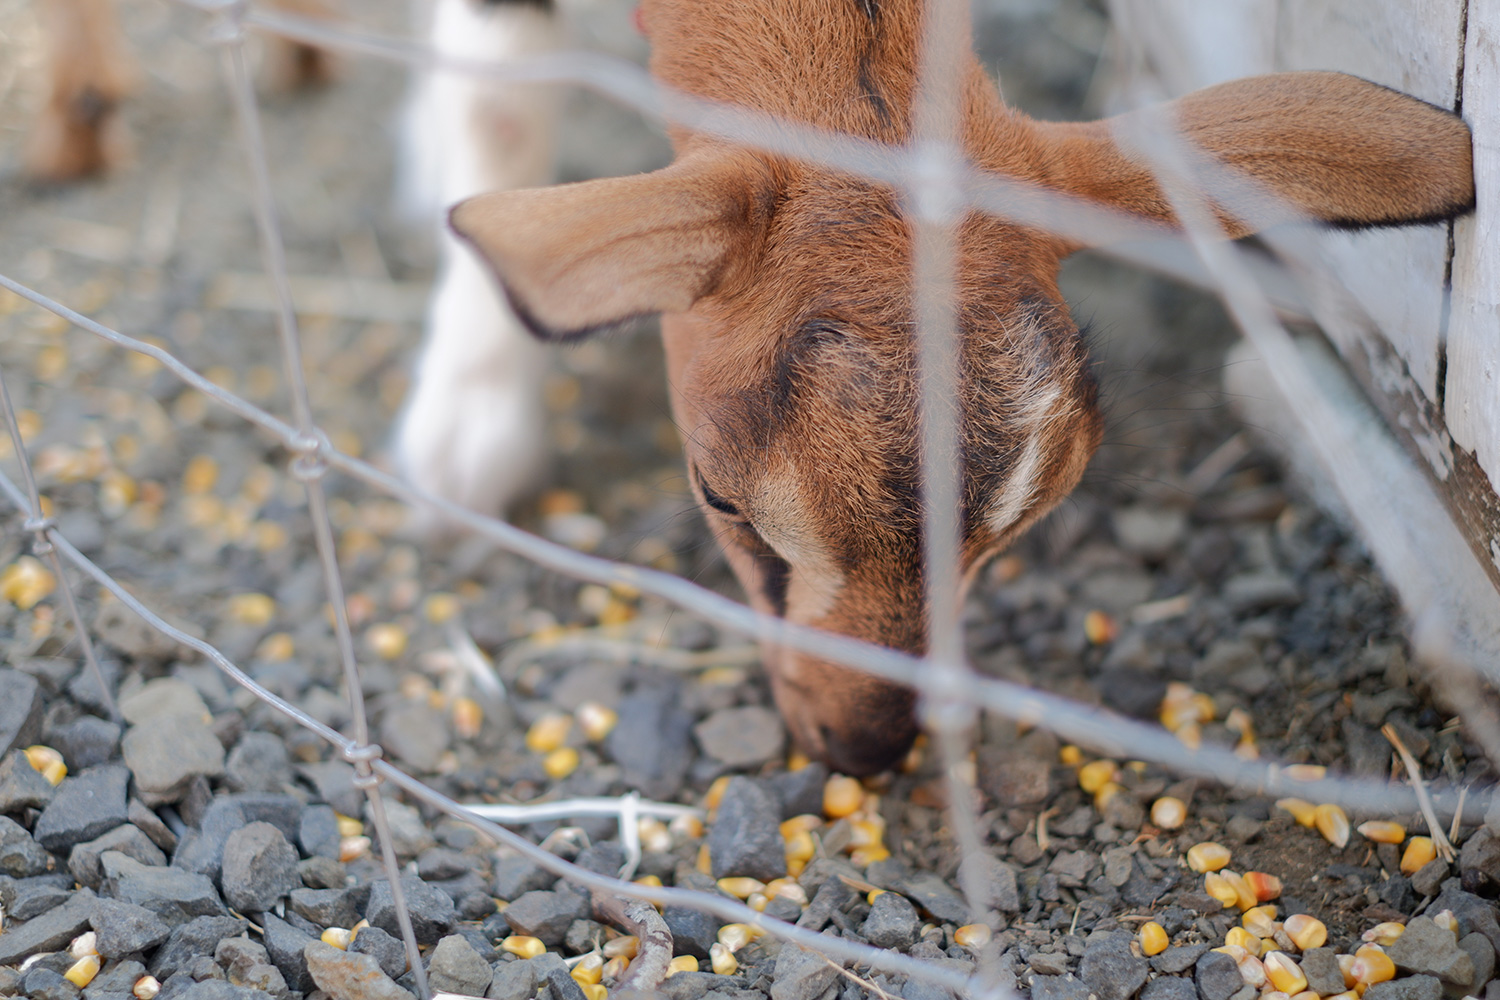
{"x": 151, "y": 825}
{"x": 86, "y": 741}
{"x": 1259, "y": 591}
{"x": 1170, "y": 988}
{"x": 329, "y": 907}
{"x": 334, "y": 782}
{"x": 1217, "y": 976}
{"x": 165, "y": 697}
{"x": 693, "y": 931}
{"x": 1178, "y": 958}
{"x": 1321, "y": 967}
{"x": 457, "y": 968}
{"x": 114, "y": 982}
{"x": 1117, "y": 866}
{"x": 1428, "y": 880}
{"x": 1479, "y": 864}
{"x": 892, "y": 923}
{"x": 936, "y": 896}
{"x": 516, "y": 875}
{"x": 1059, "y": 988}
{"x": 166, "y": 754}
{"x": 1108, "y": 966}
{"x": 83, "y": 862}
{"x": 1012, "y": 779}
{"x": 409, "y": 835}
{"x": 652, "y": 742}
{"x": 1427, "y": 949}
{"x": 196, "y": 937}
{"x": 1073, "y": 868}
{"x": 85, "y": 806}
{"x": 347, "y": 975}
{"x": 431, "y": 910}
{"x": 172, "y": 894}
{"x": 21, "y": 785}
{"x": 287, "y": 948}
{"x": 513, "y": 981}
{"x": 562, "y": 986}
{"x": 1406, "y": 988}
{"x": 1050, "y": 963}
{"x": 546, "y": 915}
{"x": 237, "y": 954}
{"x": 994, "y": 882}
{"x": 42, "y": 983}
{"x": 48, "y": 932}
{"x": 1482, "y": 954}
{"x": 800, "y": 791}
{"x": 1474, "y": 914}
{"x": 801, "y": 974}
{"x": 318, "y": 832}
{"x": 21, "y": 709}
{"x": 745, "y": 838}
{"x": 20, "y": 855}
{"x": 1150, "y": 532}
{"x": 258, "y": 763}
{"x": 385, "y": 949}
{"x": 322, "y": 873}
{"x": 27, "y": 898}
{"x": 124, "y": 928}
{"x": 743, "y": 737}
{"x": 260, "y": 867}
{"x": 586, "y": 935}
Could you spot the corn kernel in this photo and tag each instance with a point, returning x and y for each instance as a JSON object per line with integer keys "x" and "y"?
{"x": 1305, "y": 772}
{"x": 864, "y": 857}
{"x": 1371, "y": 965}
{"x": 348, "y": 826}
{"x": 787, "y": 889}
{"x": 655, "y": 836}
{"x": 1265, "y": 887}
{"x": 1304, "y": 995}
{"x": 1168, "y": 812}
{"x": 1260, "y": 921}
{"x": 278, "y": 647}
{"x": 972, "y": 936}
{"x": 1303, "y": 811}
{"x": 25, "y": 582}
{"x": 1242, "y": 938}
{"x": 797, "y": 760}
{"x": 1346, "y": 995}
{"x": 842, "y": 797}
{"x": 1222, "y": 889}
{"x": 1190, "y": 735}
{"x": 468, "y": 717}
{"x": 1446, "y": 920}
{"x": 1346, "y": 969}
{"x": 1070, "y": 755}
{"x": 704, "y": 863}
{"x": 523, "y": 946}
{"x": 1382, "y": 831}
{"x": 1096, "y": 774}
{"x": 387, "y": 640}
{"x": 758, "y": 901}
{"x": 1252, "y": 969}
{"x": 548, "y": 733}
{"x": 1207, "y": 857}
{"x": 1244, "y": 896}
{"x": 439, "y": 609}
{"x": 722, "y": 960}
{"x": 682, "y": 963}
{"x": 353, "y": 848}
{"x": 589, "y": 970}
{"x": 615, "y": 968}
{"x": 1384, "y": 934}
{"x": 1099, "y": 628}
{"x": 1332, "y": 823}
{"x": 1284, "y": 973}
{"x": 252, "y": 609}
{"x": 800, "y": 847}
{"x": 86, "y": 943}
{"x": 594, "y": 991}
{"x": 687, "y": 826}
{"x": 48, "y": 762}
{"x": 624, "y": 946}
{"x": 715, "y": 794}
{"x": 1419, "y": 852}
{"x": 560, "y": 763}
{"x": 338, "y": 937}
{"x": 1154, "y": 938}
{"x": 596, "y": 720}
{"x": 201, "y": 474}
{"x": 1203, "y": 707}
{"x": 652, "y": 881}
{"x": 736, "y": 936}
{"x": 1234, "y": 951}
{"x": 146, "y": 988}
{"x": 741, "y": 887}
{"x": 83, "y": 971}
{"x": 1306, "y": 932}
{"x": 865, "y": 832}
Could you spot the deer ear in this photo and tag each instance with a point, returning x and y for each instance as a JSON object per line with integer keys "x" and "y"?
{"x": 1324, "y": 146}
{"x": 576, "y": 258}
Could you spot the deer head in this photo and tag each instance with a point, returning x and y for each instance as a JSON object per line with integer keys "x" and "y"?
{"x": 787, "y": 298}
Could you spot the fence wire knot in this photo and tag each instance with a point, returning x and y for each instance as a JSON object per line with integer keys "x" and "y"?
{"x": 228, "y": 27}
{"x": 363, "y": 757}
{"x": 309, "y": 463}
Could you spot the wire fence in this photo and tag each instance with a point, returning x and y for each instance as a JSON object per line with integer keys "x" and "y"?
{"x": 937, "y": 188}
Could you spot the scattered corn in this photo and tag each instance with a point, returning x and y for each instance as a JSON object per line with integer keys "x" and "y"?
{"x": 797, "y": 760}
{"x": 625, "y": 946}
{"x": 1241, "y": 938}
{"x": 1252, "y": 969}
{"x": 1306, "y": 932}
{"x": 1382, "y": 831}
{"x": 1419, "y": 852}
{"x": 523, "y": 946}
{"x": 1096, "y": 774}
{"x": 1284, "y": 973}
{"x": 615, "y": 968}
{"x": 787, "y": 889}
{"x": 800, "y": 847}
{"x": 83, "y": 971}
{"x": 1154, "y": 938}
{"x": 864, "y": 857}
{"x": 1371, "y": 965}
{"x": 47, "y": 761}
{"x": 1222, "y": 889}
{"x": 594, "y": 991}
{"x": 682, "y": 963}
{"x": 652, "y": 881}
{"x": 589, "y": 970}
{"x": 353, "y": 848}
{"x": 1265, "y": 887}
{"x": 339, "y": 937}
{"x": 596, "y": 720}
{"x": 715, "y": 794}
{"x": 348, "y": 826}
{"x": 548, "y": 733}
{"x": 1332, "y": 823}
{"x": 146, "y": 988}
{"x": 972, "y": 936}
{"x": 736, "y": 936}
{"x": 1346, "y": 969}
{"x": 722, "y": 960}
{"x": 278, "y": 647}
{"x": 1305, "y": 772}
{"x": 201, "y": 474}
{"x": 1303, "y": 811}
{"x": 1182, "y": 705}
{"x": 25, "y": 582}
{"x": 441, "y": 608}
{"x": 704, "y": 863}
{"x": 1304, "y": 995}
{"x": 842, "y": 797}
{"x": 741, "y": 887}
{"x": 387, "y": 640}
{"x": 758, "y": 901}
{"x": 468, "y": 717}
{"x": 871, "y": 896}
{"x": 1070, "y": 755}
{"x": 1384, "y": 934}
{"x": 1168, "y": 813}
{"x": 1260, "y": 921}
{"x": 1099, "y": 628}
{"x": 800, "y": 824}
{"x": 655, "y": 836}
{"x": 86, "y": 943}
{"x": 1244, "y": 896}
{"x": 1446, "y": 920}
{"x": 1207, "y": 857}
{"x": 686, "y": 826}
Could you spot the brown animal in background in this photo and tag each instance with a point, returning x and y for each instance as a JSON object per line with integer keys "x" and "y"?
{"x": 78, "y": 132}
{"x": 787, "y": 291}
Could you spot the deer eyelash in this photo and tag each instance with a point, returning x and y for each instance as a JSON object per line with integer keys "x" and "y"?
{"x": 717, "y": 502}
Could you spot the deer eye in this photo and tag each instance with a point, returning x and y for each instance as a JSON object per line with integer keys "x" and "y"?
{"x": 715, "y": 501}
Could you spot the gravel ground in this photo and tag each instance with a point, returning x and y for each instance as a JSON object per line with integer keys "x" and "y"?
{"x": 208, "y": 842}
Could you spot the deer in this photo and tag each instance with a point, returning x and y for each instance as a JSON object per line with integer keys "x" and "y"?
{"x": 785, "y": 293}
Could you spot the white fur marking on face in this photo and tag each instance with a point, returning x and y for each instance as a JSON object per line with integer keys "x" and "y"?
{"x": 1020, "y": 488}
{"x": 784, "y": 521}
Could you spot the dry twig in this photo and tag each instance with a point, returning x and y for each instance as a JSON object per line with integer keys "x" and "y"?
{"x": 1413, "y": 771}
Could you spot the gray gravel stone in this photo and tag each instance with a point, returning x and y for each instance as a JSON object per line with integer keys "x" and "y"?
{"x": 652, "y": 742}
{"x": 1050, "y": 963}
{"x": 416, "y": 734}
{"x": 517, "y": 875}
{"x": 431, "y": 910}
{"x": 1406, "y": 988}
{"x": 85, "y": 806}
{"x": 409, "y": 835}
{"x": 892, "y": 923}
{"x": 512, "y": 981}
{"x": 695, "y": 985}
{"x": 1013, "y": 779}
{"x": 162, "y": 698}
{"x": 937, "y": 897}
{"x": 1427, "y": 949}
{"x": 1150, "y": 532}
{"x": 1108, "y": 966}
{"x": 1321, "y": 967}
{"x": 745, "y": 838}
{"x": 693, "y": 931}
{"x": 146, "y": 820}
{"x": 86, "y": 741}
{"x": 48, "y": 932}
{"x": 347, "y": 975}
{"x": 800, "y": 791}
{"x": 1170, "y": 988}
{"x": 166, "y": 754}
{"x": 172, "y": 894}
{"x": 1428, "y": 880}
{"x": 562, "y": 986}
{"x": 995, "y": 882}
{"x": 1482, "y": 954}
{"x": 1073, "y": 868}
{"x": 42, "y": 983}
{"x": 383, "y": 947}
{"x": 742, "y": 737}
{"x": 334, "y": 782}
{"x": 20, "y": 855}
{"x": 800, "y": 974}
{"x": 83, "y": 862}
{"x": 21, "y": 785}
{"x": 196, "y": 937}
{"x": 457, "y": 968}
{"x": 258, "y": 763}
{"x": 260, "y": 867}
{"x": 318, "y": 831}
{"x": 27, "y": 898}
{"x": 286, "y": 946}
{"x": 546, "y": 915}
{"x": 124, "y": 928}
{"x": 1059, "y": 988}
{"x": 328, "y": 907}
{"x": 21, "y": 708}
{"x": 1217, "y": 977}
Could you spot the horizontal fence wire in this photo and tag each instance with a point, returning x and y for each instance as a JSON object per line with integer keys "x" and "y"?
{"x": 938, "y": 186}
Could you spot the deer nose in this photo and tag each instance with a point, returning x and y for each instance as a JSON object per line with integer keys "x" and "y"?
{"x": 858, "y": 724}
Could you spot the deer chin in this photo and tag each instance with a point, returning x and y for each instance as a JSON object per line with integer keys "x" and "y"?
{"x": 858, "y": 724}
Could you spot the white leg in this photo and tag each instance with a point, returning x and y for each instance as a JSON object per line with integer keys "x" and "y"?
{"x": 471, "y": 429}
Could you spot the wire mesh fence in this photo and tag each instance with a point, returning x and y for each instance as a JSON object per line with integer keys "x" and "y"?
{"x": 937, "y": 187}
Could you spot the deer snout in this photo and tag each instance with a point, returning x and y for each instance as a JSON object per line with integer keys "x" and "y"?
{"x": 858, "y": 724}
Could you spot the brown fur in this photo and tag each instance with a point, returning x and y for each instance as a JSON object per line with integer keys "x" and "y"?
{"x": 78, "y": 132}
{"x": 787, "y": 293}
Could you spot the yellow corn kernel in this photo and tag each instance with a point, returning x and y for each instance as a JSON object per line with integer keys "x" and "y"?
{"x": 682, "y": 963}
{"x": 1242, "y": 938}
{"x": 1305, "y": 772}
{"x": 1346, "y": 969}
{"x": 1332, "y": 823}
{"x": 687, "y": 826}
{"x": 842, "y": 797}
{"x": 704, "y": 863}
{"x": 468, "y": 717}
{"x": 865, "y": 832}
{"x": 1096, "y": 774}
{"x": 338, "y": 937}
{"x": 548, "y": 733}
{"x": 615, "y": 968}
{"x": 278, "y": 647}
{"x": 1203, "y": 707}
{"x": 972, "y": 936}
{"x": 1284, "y": 973}
{"x": 800, "y": 847}
{"x": 117, "y": 492}
{"x": 47, "y": 761}
{"x": 1303, "y": 811}
{"x": 1384, "y": 934}
{"x": 1266, "y": 887}
{"x": 715, "y": 794}
{"x": 654, "y": 834}
{"x": 439, "y": 609}
{"x": 523, "y": 946}
{"x": 758, "y": 901}
{"x": 787, "y": 889}
{"x": 872, "y": 894}
{"x": 1154, "y": 938}
{"x": 1222, "y": 889}
{"x": 596, "y": 720}
{"x": 651, "y": 881}
{"x": 797, "y": 760}
{"x": 1306, "y": 932}
{"x": 387, "y": 640}
{"x": 741, "y": 887}
{"x": 86, "y": 943}
{"x": 201, "y": 474}
{"x": 594, "y": 991}
{"x": 1346, "y": 995}
{"x": 1382, "y": 831}
{"x": 1070, "y": 755}
{"x": 1252, "y": 969}
{"x": 1419, "y": 852}
{"x": 1168, "y": 812}
{"x": 1099, "y": 628}
{"x": 1446, "y": 920}
{"x": 353, "y": 848}
{"x": 1234, "y": 951}
{"x": 736, "y": 936}
{"x": 1259, "y": 921}
{"x": 722, "y": 960}
{"x": 805, "y": 823}
{"x": 83, "y": 971}
{"x": 146, "y": 988}
{"x": 589, "y": 970}
{"x": 624, "y": 946}
{"x": 1304, "y": 995}
{"x": 1207, "y": 857}
{"x": 348, "y": 826}
{"x": 1244, "y": 896}
{"x": 1190, "y": 735}
{"x": 1371, "y": 965}
{"x": 864, "y": 857}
